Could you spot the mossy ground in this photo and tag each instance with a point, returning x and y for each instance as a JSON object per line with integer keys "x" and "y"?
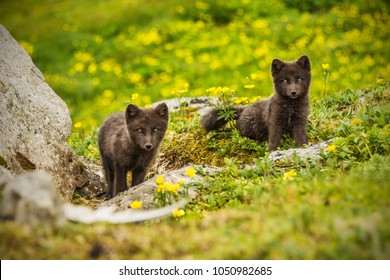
{"x": 334, "y": 208}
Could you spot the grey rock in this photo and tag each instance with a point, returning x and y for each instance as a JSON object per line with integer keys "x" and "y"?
{"x": 95, "y": 185}
{"x": 110, "y": 214}
{"x": 30, "y": 200}
{"x": 146, "y": 191}
{"x": 311, "y": 152}
{"x": 200, "y": 104}
{"x": 34, "y": 122}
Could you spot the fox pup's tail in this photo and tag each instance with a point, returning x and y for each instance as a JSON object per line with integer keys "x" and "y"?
{"x": 213, "y": 121}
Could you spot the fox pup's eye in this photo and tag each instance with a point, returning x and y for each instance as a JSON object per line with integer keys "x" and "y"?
{"x": 156, "y": 130}
{"x": 300, "y": 79}
{"x": 140, "y": 130}
{"x": 284, "y": 81}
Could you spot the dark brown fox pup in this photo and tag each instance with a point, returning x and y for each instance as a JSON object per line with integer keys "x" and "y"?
{"x": 285, "y": 111}
{"x": 129, "y": 142}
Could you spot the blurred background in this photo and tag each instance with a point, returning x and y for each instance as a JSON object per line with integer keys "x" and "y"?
{"x": 99, "y": 55}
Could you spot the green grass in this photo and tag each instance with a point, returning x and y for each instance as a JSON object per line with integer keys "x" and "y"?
{"x": 155, "y": 48}
{"x": 336, "y": 207}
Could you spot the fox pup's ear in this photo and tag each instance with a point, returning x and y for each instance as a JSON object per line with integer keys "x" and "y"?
{"x": 304, "y": 62}
{"x": 162, "y": 111}
{"x": 276, "y": 66}
{"x": 132, "y": 111}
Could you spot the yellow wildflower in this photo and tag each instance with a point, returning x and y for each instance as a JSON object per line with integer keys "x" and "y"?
{"x": 77, "y": 125}
{"x": 27, "y": 46}
{"x": 330, "y": 148}
{"x": 254, "y": 76}
{"x": 135, "y": 97}
{"x": 249, "y": 86}
{"x": 241, "y": 100}
{"x": 133, "y": 77}
{"x": 325, "y": 67}
{"x": 78, "y": 67}
{"x": 108, "y": 93}
{"x": 92, "y": 68}
{"x": 136, "y": 204}
{"x": 226, "y": 90}
{"x": 117, "y": 70}
{"x": 211, "y": 90}
{"x": 289, "y": 175}
{"x": 108, "y": 65}
{"x": 160, "y": 188}
{"x": 190, "y": 172}
{"x": 165, "y": 186}
{"x": 254, "y": 99}
{"x": 159, "y": 180}
{"x": 177, "y": 213}
{"x": 173, "y": 188}
{"x": 356, "y": 121}
{"x": 181, "y": 182}
{"x": 83, "y": 56}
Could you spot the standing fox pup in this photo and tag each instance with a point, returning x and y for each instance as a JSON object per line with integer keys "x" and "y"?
{"x": 129, "y": 142}
{"x": 285, "y": 111}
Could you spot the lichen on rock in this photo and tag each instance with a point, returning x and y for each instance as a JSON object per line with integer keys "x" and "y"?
{"x": 35, "y": 122}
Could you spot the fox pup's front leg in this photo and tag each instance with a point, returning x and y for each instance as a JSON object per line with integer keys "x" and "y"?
{"x": 138, "y": 176}
{"x": 274, "y": 136}
{"x": 120, "y": 184}
{"x": 299, "y": 135}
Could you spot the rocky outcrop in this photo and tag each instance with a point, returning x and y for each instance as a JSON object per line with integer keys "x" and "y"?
{"x": 309, "y": 152}
{"x": 30, "y": 200}
{"x": 111, "y": 215}
{"x": 146, "y": 192}
{"x": 34, "y": 122}
{"x": 95, "y": 185}
{"x": 199, "y": 104}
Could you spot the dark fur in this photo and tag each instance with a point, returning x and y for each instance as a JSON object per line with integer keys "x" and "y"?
{"x": 285, "y": 111}
{"x": 129, "y": 142}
